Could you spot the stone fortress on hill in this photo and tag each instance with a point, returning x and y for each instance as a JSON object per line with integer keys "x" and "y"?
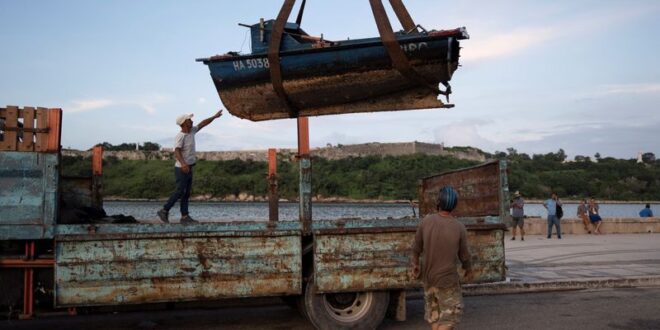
{"x": 327, "y": 152}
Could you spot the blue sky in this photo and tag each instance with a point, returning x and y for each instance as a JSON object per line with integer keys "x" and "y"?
{"x": 536, "y": 75}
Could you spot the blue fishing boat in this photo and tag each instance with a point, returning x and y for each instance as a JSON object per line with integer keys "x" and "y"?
{"x": 290, "y": 73}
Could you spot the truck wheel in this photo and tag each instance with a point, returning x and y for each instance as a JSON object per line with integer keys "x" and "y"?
{"x": 345, "y": 310}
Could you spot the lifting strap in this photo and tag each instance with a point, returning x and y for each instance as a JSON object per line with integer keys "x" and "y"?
{"x": 397, "y": 56}
{"x": 391, "y": 44}
{"x": 402, "y": 14}
{"x": 300, "y": 13}
{"x": 274, "y": 56}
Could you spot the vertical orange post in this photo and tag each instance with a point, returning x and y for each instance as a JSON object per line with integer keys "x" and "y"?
{"x": 303, "y": 136}
{"x": 305, "y": 182}
{"x": 28, "y": 283}
{"x": 272, "y": 162}
{"x": 97, "y": 177}
{"x": 273, "y": 195}
{"x": 97, "y": 160}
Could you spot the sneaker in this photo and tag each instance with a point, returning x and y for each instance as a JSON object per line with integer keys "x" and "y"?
{"x": 548, "y": 236}
{"x": 163, "y": 215}
{"x": 522, "y": 238}
{"x": 186, "y": 219}
{"x": 558, "y": 237}
{"x": 513, "y": 238}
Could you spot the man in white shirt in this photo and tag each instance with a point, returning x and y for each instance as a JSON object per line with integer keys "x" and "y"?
{"x": 184, "y": 152}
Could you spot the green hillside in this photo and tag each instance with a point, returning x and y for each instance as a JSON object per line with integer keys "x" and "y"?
{"x": 384, "y": 178}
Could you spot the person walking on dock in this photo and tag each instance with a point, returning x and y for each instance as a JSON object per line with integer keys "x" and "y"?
{"x": 551, "y": 205}
{"x": 518, "y": 215}
{"x": 442, "y": 239}
{"x": 184, "y": 152}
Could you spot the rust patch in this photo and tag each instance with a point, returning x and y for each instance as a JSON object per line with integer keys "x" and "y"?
{"x": 367, "y": 91}
{"x": 478, "y": 190}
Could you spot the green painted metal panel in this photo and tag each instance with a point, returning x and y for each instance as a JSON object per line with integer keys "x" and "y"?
{"x": 133, "y": 270}
{"x": 28, "y": 194}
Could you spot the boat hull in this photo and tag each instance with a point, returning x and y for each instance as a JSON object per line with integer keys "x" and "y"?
{"x": 335, "y": 80}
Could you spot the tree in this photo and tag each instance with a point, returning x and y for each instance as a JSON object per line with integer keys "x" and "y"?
{"x": 151, "y": 146}
{"x": 648, "y": 157}
{"x": 561, "y": 155}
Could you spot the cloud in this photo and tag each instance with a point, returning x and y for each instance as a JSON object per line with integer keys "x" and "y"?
{"x": 506, "y": 44}
{"x": 149, "y": 103}
{"x": 622, "y": 141}
{"x": 614, "y": 92}
{"x": 87, "y": 105}
{"x": 464, "y": 133}
{"x": 490, "y": 45}
{"x": 649, "y": 88}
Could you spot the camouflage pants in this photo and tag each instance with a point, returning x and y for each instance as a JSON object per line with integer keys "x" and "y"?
{"x": 443, "y": 305}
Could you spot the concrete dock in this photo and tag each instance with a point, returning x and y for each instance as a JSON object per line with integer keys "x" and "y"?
{"x": 577, "y": 262}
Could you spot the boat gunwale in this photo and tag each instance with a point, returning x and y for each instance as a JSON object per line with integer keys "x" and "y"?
{"x": 375, "y": 42}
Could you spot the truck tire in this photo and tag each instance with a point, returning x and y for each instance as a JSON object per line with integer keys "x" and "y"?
{"x": 345, "y": 310}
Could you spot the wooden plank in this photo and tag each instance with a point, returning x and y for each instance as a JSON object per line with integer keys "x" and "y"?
{"x": 42, "y": 138}
{"x": 54, "y": 126}
{"x": 11, "y": 120}
{"x": 28, "y": 137}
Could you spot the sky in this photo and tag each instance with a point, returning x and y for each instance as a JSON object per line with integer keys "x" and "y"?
{"x": 536, "y": 76}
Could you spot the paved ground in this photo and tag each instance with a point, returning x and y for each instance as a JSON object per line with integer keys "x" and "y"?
{"x": 636, "y": 309}
{"x": 582, "y": 257}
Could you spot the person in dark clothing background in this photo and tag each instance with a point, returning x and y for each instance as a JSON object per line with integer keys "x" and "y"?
{"x": 518, "y": 215}
{"x": 646, "y": 212}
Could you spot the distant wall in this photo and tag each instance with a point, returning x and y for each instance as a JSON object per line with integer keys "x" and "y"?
{"x": 330, "y": 152}
{"x": 539, "y": 226}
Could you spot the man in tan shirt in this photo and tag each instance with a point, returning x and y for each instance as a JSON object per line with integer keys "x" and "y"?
{"x": 442, "y": 239}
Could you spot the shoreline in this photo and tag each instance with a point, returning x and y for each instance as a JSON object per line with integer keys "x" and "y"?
{"x": 345, "y": 201}
{"x": 265, "y": 200}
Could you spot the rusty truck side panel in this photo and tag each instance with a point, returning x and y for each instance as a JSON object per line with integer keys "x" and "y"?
{"x": 205, "y": 261}
{"x": 358, "y": 255}
{"x": 363, "y": 258}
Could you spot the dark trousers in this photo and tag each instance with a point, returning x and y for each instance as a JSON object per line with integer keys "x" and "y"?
{"x": 183, "y": 188}
{"x": 553, "y": 220}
